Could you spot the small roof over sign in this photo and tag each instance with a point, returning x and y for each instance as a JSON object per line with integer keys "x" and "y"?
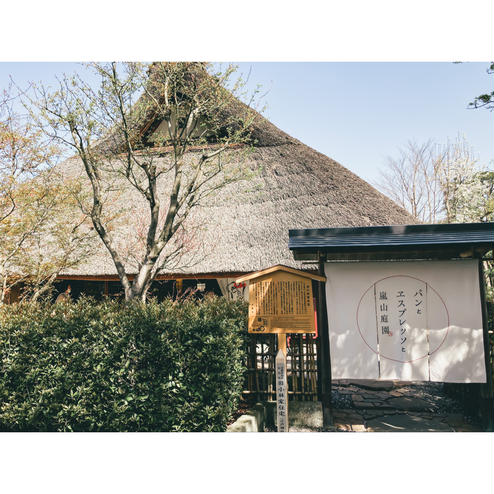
{"x": 280, "y": 267}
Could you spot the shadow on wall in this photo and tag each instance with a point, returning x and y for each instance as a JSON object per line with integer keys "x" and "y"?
{"x": 460, "y": 357}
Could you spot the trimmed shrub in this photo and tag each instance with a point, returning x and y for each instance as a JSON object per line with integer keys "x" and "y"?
{"x": 89, "y": 366}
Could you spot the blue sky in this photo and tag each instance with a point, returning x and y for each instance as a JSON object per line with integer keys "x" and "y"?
{"x": 358, "y": 113}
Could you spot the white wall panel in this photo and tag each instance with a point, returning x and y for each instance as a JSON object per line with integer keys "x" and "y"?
{"x": 411, "y": 321}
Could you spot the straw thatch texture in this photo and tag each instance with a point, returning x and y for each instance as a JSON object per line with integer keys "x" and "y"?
{"x": 244, "y": 227}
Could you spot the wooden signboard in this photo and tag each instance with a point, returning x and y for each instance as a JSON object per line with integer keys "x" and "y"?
{"x": 281, "y": 300}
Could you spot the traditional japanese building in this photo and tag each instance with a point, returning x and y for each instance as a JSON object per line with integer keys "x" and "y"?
{"x": 244, "y": 226}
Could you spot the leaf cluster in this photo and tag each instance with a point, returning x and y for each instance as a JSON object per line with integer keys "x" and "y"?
{"x": 485, "y": 100}
{"x": 42, "y": 230}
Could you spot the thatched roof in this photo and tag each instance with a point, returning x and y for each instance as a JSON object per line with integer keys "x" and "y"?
{"x": 244, "y": 227}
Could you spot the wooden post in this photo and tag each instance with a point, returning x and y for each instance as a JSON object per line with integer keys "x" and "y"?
{"x": 282, "y": 342}
{"x": 281, "y": 385}
{"x": 324, "y": 356}
{"x": 487, "y": 388}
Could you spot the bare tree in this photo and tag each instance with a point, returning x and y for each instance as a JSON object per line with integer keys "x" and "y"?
{"x": 411, "y": 180}
{"x": 439, "y": 183}
{"x": 135, "y": 132}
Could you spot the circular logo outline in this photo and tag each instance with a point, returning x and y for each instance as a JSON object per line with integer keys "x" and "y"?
{"x": 381, "y": 354}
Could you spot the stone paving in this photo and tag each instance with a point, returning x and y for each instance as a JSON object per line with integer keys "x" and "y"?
{"x": 387, "y": 406}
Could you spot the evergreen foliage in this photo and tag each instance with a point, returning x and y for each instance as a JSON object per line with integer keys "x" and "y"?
{"x": 107, "y": 366}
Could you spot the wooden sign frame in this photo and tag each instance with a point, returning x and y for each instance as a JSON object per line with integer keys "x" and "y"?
{"x": 281, "y": 300}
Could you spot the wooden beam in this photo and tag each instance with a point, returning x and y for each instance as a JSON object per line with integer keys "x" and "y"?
{"x": 487, "y": 393}
{"x": 168, "y": 149}
{"x": 160, "y": 277}
{"x": 76, "y": 277}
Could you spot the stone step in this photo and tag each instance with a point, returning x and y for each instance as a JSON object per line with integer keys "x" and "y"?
{"x": 372, "y": 384}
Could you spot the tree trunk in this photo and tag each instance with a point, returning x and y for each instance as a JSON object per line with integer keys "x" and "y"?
{"x": 4, "y": 289}
{"x": 44, "y": 288}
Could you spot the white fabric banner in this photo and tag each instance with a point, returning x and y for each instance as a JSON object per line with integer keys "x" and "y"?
{"x": 406, "y": 320}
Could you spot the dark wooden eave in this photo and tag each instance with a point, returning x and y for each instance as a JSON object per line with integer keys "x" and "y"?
{"x": 159, "y": 277}
{"x": 438, "y": 241}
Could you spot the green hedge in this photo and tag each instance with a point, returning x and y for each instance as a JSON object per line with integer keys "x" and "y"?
{"x": 89, "y": 366}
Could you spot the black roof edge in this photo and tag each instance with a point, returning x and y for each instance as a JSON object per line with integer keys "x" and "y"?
{"x": 393, "y": 241}
{"x": 396, "y": 229}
